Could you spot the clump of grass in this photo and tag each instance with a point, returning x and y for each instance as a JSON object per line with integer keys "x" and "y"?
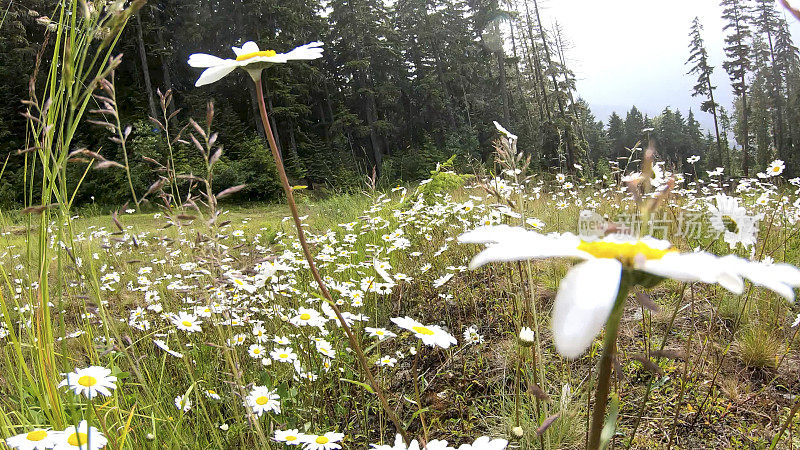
{"x": 758, "y": 348}
{"x": 565, "y": 432}
{"x": 730, "y": 310}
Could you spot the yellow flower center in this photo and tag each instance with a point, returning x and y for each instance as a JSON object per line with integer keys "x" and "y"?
{"x": 379, "y": 333}
{"x": 87, "y": 380}
{"x": 78, "y": 439}
{"x": 423, "y": 330}
{"x": 730, "y": 224}
{"x": 283, "y": 356}
{"x": 321, "y": 440}
{"x": 262, "y": 400}
{"x": 267, "y": 53}
{"x": 305, "y": 316}
{"x": 37, "y": 435}
{"x": 625, "y": 252}
{"x": 186, "y": 323}
{"x": 256, "y": 351}
{"x": 291, "y": 438}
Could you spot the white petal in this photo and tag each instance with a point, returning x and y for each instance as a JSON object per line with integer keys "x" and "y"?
{"x": 583, "y": 304}
{"x": 312, "y": 50}
{"x": 697, "y": 266}
{"x": 213, "y": 74}
{"x": 248, "y": 47}
{"x": 204, "y": 60}
{"x": 780, "y": 278}
{"x": 516, "y": 244}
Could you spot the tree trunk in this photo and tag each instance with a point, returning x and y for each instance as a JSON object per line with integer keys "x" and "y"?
{"x": 539, "y": 74}
{"x": 165, "y": 69}
{"x": 501, "y": 68}
{"x": 568, "y": 141}
{"x": 714, "y": 114}
{"x": 148, "y": 86}
{"x": 746, "y": 137}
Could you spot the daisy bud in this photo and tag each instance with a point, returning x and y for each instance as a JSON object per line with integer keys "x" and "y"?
{"x": 526, "y": 337}
{"x": 150, "y": 436}
{"x": 517, "y": 432}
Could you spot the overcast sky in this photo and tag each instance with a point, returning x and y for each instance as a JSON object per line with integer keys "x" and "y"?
{"x": 633, "y": 52}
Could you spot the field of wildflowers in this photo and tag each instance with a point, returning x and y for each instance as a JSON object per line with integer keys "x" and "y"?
{"x": 645, "y": 309}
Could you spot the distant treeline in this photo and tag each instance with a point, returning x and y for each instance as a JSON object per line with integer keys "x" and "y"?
{"x": 399, "y": 89}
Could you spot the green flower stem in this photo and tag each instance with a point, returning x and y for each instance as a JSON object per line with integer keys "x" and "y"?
{"x": 609, "y": 350}
{"x": 415, "y": 374}
{"x": 313, "y": 267}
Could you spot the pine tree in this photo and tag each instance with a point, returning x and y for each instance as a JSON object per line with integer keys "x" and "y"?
{"x": 634, "y": 124}
{"x": 736, "y": 13}
{"x": 787, "y": 67}
{"x": 616, "y": 134}
{"x": 703, "y": 88}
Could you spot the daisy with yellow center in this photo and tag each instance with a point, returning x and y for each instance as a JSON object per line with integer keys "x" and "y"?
{"x": 91, "y": 381}
{"x": 775, "y": 168}
{"x": 250, "y": 58}
{"x": 82, "y": 437}
{"x": 37, "y": 439}
{"x": 183, "y": 403}
{"x": 431, "y": 335}
{"x": 256, "y": 351}
{"x": 211, "y": 393}
{"x": 186, "y": 322}
{"x": 732, "y": 220}
{"x": 327, "y": 441}
{"x": 289, "y": 437}
{"x": 285, "y": 354}
{"x": 262, "y": 399}
{"x": 307, "y": 317}
{"x": 591, "y": 289}
{"x": 380, "y": 333}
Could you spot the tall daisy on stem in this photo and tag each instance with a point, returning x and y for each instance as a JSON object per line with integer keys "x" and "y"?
{"x": 594, "y": 292}
{"x": 254, "y": 60}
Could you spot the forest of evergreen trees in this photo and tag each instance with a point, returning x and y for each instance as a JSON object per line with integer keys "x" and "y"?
{"x": 402, "y": 85}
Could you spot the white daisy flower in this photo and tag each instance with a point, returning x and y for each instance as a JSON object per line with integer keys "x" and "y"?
{"x": 471, "y": 335}
{"x": 283, "y": 354}
{"x": 186, "y": 322}
{"x": 732, "y": 220}
{"x": 439, "y": 282}
{"x": 37, "y": 439}
{"x": 588, "y": 293}
{"x": 262, "y": 399}
{"x": 256, "y": 351}
{"x": 91, "y": 381}
{"x": 289, "y": 437}
{"x": 504, "y": 132}
{"x": 380, "y": 333}
{"x": 82, "y": 437}
{"x": 250, "y": 58}
{"x": 327, "y": 441}
{"x": 485, "y": 443}
{"x": 386, "y": 361}
{"x": 775, "y": 168}
{"x": 413, "y": 445}
{"x": 431, "y": 335}
{"x": 183, "y": 402}
{"x": 307, "y": 317}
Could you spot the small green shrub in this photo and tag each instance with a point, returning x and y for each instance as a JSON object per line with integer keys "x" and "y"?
{"x": 443, "y": 180}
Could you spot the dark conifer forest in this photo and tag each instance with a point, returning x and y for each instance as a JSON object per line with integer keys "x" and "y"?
{"x": 402, "y": 86}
